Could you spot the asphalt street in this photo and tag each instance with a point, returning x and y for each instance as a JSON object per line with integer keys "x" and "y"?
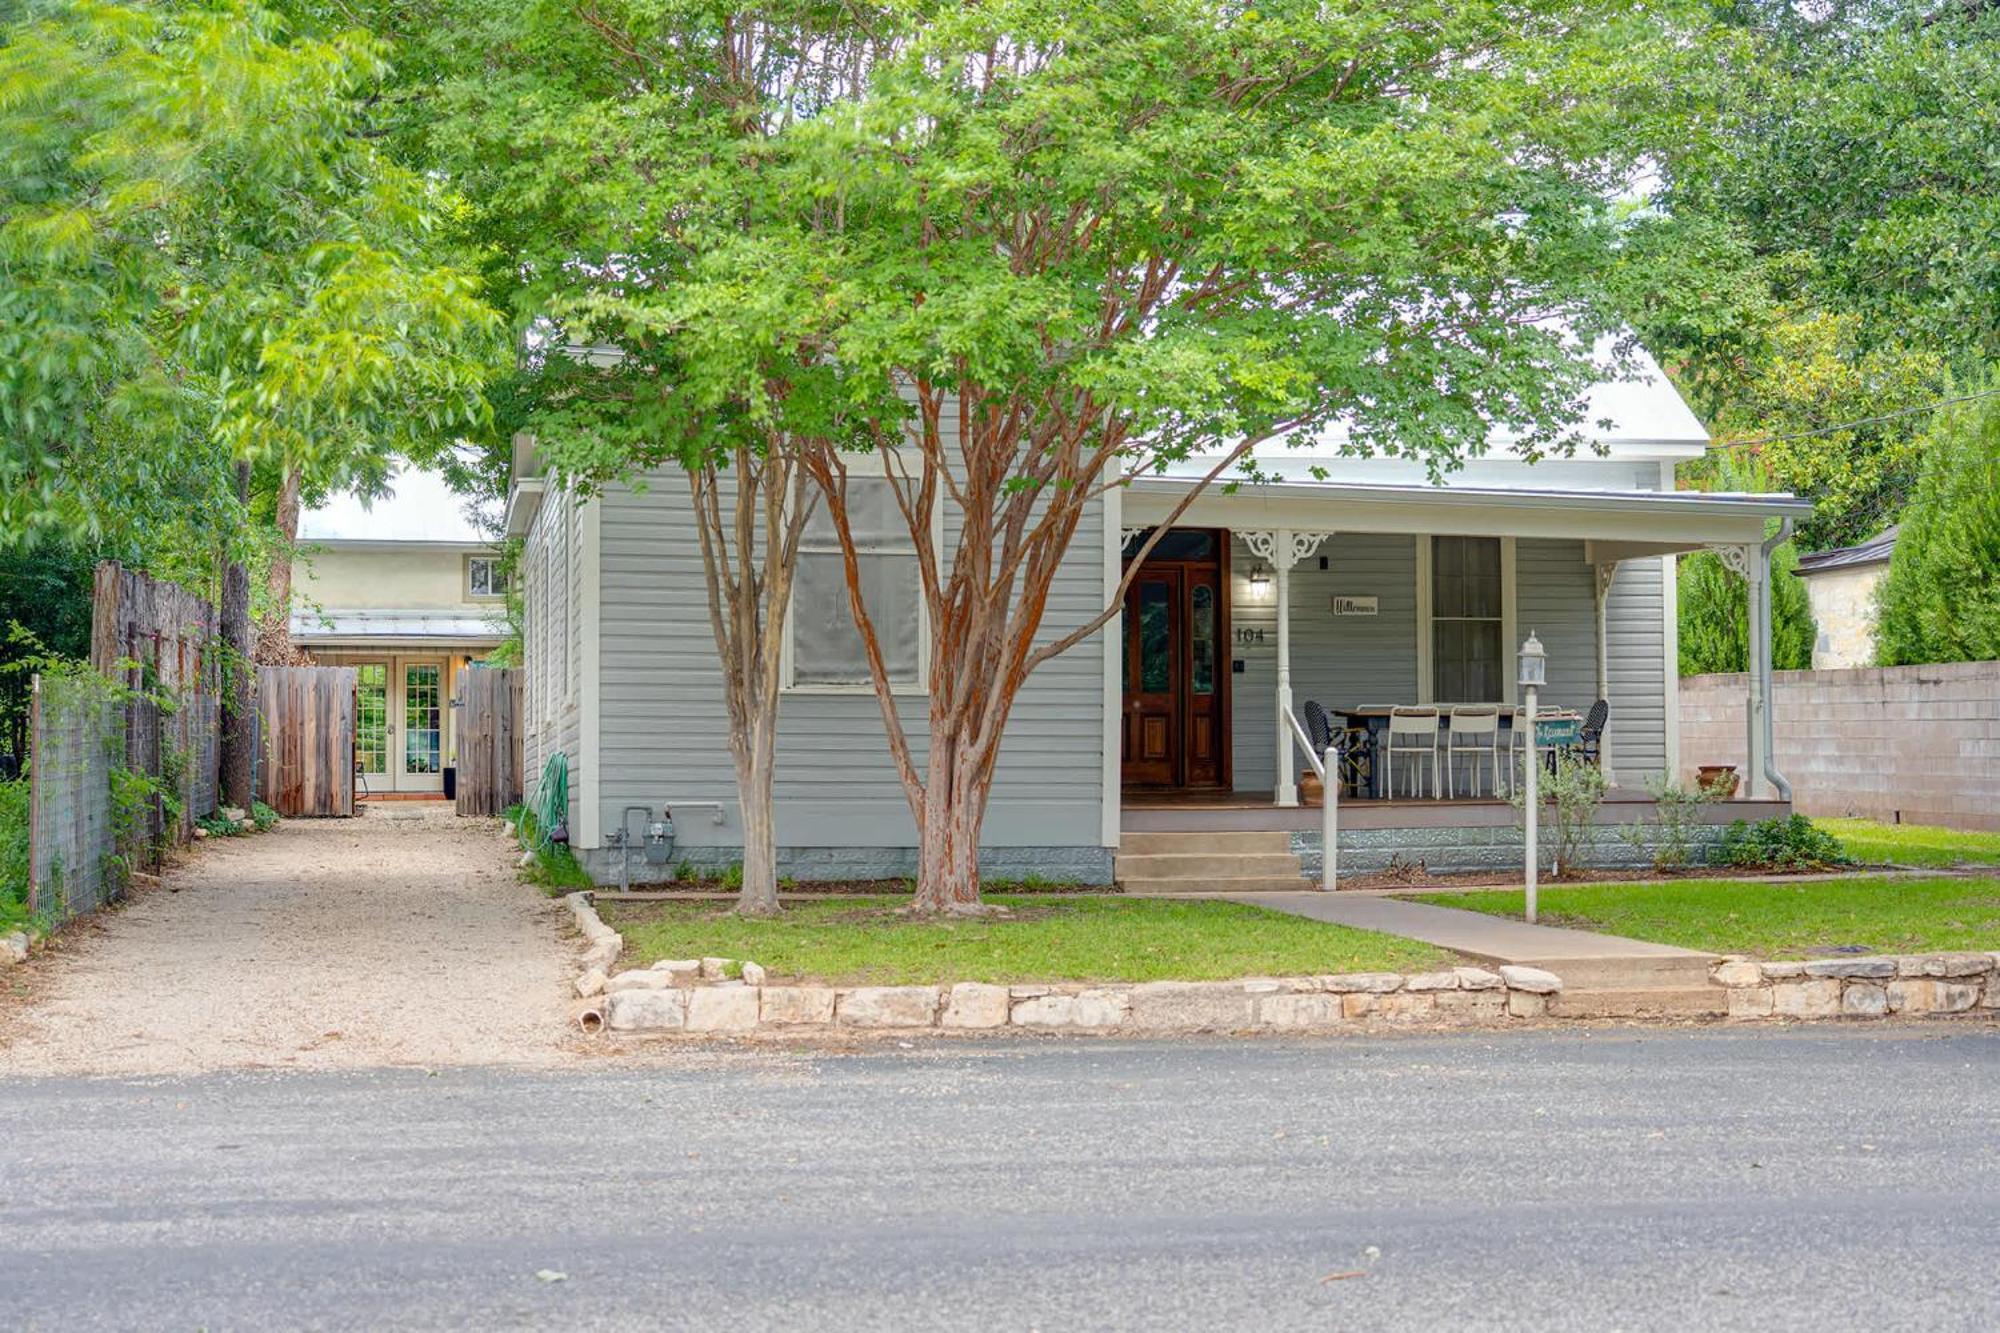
{"x": 1634, "y": 1179}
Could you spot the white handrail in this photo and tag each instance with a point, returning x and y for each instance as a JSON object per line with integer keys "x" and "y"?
{"x": 1329, "y": 802}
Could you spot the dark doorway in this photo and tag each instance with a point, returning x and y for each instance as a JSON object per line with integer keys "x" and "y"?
{"x": 1176, "y": 704}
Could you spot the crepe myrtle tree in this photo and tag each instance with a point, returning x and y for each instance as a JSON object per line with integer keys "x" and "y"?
{"x": 1085, "y": 242}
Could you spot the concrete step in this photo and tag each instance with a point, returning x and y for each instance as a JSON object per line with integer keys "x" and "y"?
{"x": 1201, "y": 884}
{"x": 1193, "y": 865}
{"x": 1702, "y": 1001}
{"x": 1638, "y": 971}
{"x": 1238, "y": 843}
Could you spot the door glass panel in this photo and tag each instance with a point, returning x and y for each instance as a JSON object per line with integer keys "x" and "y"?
{"x": 371, "y": 718}
{"x": 422, "y": 733}
{"x": 1203, "y": 634}
{"x": 1156, "y": 645}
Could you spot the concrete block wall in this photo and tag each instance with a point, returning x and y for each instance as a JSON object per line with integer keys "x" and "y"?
{"x": 1915, "y": 744}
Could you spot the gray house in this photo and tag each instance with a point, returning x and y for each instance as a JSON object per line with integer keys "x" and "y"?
{"x": 1381, "y": 598}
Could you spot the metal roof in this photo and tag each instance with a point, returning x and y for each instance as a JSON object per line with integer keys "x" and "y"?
{"x": 1875, "y": 551}
{"x": 418, "y": 626}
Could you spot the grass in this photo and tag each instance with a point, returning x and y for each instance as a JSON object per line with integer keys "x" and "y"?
{"x": 1913, "y": 844}
{"x": 555, "y": 869}
{"x": 1048, "y": 938}
{"x": 1770, "y": 920}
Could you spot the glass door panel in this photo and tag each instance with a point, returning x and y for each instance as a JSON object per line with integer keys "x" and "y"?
{"x": 423, "y": 718}
{"x": 371, "y": 718}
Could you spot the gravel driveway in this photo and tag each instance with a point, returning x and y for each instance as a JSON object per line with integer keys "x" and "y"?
{"x": 402, "y": 937}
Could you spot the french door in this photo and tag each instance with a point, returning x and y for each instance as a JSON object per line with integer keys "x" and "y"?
{"x": 371, "y": 725}
{"x": 423, "y": 705}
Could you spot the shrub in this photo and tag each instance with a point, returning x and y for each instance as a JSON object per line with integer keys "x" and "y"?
{"x": 1795, "y": 843}
{"x": 1670, "y": 837}
{"x": 1575, "y": 787}
{"x": 263, "y": 816}
{"x": 1941, "y": 599}
{"x": 13, "y": 854}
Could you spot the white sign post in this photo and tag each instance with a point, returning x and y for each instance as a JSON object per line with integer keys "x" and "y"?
{"x": 1534, "y": 671}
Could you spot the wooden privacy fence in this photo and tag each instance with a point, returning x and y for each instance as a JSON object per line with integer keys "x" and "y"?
{"x": 489, "y": 740}
{"x": 74, "y": 864}
{"x": 305, "y": 721}
{"x": 159, "y": 641}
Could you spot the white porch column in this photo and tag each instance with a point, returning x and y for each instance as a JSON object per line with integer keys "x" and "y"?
{"x": 1750, "y": 562}
{"x": 1284, "y": 548}
{"x": 1607, "y": 573}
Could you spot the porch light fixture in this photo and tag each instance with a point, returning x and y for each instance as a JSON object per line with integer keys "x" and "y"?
{"x": 1260, "y": 584}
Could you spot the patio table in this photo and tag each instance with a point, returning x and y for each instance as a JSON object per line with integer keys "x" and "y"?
{"x": 1561, "y": 732}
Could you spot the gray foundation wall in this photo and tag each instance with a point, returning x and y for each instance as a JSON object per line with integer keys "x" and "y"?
{"x": 1456, "y": 850}
{"x": 1057, "y": 865}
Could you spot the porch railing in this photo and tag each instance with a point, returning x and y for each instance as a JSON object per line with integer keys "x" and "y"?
{"x": 1329, "y": 803}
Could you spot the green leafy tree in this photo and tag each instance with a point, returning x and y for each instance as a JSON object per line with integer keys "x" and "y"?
{"x": 204, "y": 257}
{"x": 1715, "y": 615}
{"x": 1941, "y": 599}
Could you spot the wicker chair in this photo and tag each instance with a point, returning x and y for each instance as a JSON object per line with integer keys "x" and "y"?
{"x": 1591, "y": 738}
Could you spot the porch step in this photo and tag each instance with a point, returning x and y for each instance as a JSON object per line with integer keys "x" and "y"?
{"x": 1208, "y": 865}
{"x": 1212, "y": 884}
{"x": 1703, "y": 1001}
{"x": 1232, "y": 843}
{"x": 1232, "y": 862}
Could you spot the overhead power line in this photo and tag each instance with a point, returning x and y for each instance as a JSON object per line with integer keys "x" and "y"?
{"x": 1856, "y": 425}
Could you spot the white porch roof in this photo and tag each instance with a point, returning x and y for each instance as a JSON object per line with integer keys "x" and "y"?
{"x": 1619, "y": 524}
{"x": 329, "y": 628}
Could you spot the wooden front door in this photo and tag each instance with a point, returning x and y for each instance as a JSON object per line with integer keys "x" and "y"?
{"x": 1176, "y": 720}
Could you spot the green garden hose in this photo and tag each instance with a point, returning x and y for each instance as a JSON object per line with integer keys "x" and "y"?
{"x": 551, "y": 804}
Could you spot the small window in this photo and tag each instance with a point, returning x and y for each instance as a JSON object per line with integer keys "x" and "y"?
{"x": 827, "y": 650}
{"x": 484, "y": 577}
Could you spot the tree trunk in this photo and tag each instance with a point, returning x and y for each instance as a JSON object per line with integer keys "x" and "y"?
{"x": 238, "y": 692}
{"x": 756, "y": 769}
{"x": 953, "y": 811}
{"x": 274, "y": 630}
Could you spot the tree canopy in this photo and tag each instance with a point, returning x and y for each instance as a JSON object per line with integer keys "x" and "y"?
{"x": 1941, "y": 599}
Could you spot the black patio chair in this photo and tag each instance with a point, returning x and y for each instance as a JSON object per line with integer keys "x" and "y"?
{"x": 1345, "y": 749}
{"x": 1590, "y": 737}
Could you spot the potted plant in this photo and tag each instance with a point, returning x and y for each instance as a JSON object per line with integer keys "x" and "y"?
{"x": 1718, "y": 781}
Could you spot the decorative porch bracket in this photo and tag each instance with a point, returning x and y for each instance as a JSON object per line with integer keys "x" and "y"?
{"x": 1751, "y": 563}
{"x": 1283, "y": 548}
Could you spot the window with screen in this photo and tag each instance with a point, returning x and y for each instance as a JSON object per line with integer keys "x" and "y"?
{"x": 1467, "y": 653}
{"x": 827, "y": 650}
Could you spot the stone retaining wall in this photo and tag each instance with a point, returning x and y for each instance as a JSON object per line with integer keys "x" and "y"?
{"x": 678, "y": 1002}
{"x": 1938, "y": 983}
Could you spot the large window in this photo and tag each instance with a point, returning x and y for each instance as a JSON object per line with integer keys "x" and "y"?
{"x": 827, "y": 651}
{"x": 1467, "y": 652}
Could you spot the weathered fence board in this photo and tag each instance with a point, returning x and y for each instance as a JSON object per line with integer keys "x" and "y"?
{"x": 489, "y": 740}
{"x": 306, "y": 719}
{"x": 159, "y": 641}
{"x": 74, "y": 864}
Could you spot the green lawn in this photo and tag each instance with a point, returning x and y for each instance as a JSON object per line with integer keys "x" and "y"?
{"x": 1913, "y": 844}
{"x": 1049, "y": 938}
{"x": 1770, "y": 920}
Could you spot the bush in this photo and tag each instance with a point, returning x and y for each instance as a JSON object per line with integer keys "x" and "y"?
{"x": 263, "y": 816}
{"x": 13, "y": 854}
{"x": 1670, "y": 837}
{"x": 1783, "y": 844}
{"x": 1715, "y": 615}
{"x": 1575, "y": 787}
{"x": 1941, "y": 599}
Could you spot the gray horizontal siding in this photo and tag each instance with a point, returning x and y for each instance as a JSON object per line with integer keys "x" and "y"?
{"x": 1556, "y": 600}
{"x": 664, "y": 729}
{"x": 1635, "y": 636}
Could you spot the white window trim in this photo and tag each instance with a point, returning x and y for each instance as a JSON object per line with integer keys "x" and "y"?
{"x": 1509, "y": 618}
{"x": 871, "y": 465}
{"x": 470, "y": 595}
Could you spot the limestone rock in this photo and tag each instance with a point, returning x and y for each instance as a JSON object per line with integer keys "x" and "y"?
{"x": 1526, "y": 1004}
{"x": 714, "y": 969}
{"x": 14, "y": 947}
{"x": 1368, "y": 983}
{"x": 1483, "y": 1006}
{"x": 1406, "y": 1007}
{"x": 729, "y": 1008}
{"x": 1912, "y": 996}
{"x": 1817, "y": 997}
{"x": 1861, "y": 1000}
{"x": 1192, "y": 1006}
{"x": 1045, "y": 1011}
{"x": 1530, "y": 979}
{"x": 1027, "y": 992}
{"x": 1293, "y": 1011}
{"x": 975, "y": 1004}
{"x": 639, "y": 979}
{"x": 645, "y": 1010}
{"x": 1952, "y": 965}
{"x": 1102, "y": 1008}
{"x": 691, "y": 967}
{"x": 1751, "y": 1001}
{"x": 1782, "y": 971}
{"x": 1262, "y": 986}
{"x": 1478, "y": 978}
{"x": 753, "y": 974}
{"x": 887, "y": 1007}
{"x": 1431, "y": 981}
{"x": 1734, "y": 972}
{"x": 590, "y": 983}
{"x": 1871, "y": 968}
{"x": 792, "y": 1005}
{"x": 1954, "y": 997}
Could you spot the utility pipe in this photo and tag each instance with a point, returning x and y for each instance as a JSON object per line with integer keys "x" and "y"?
{"x": 1768, "y": 722}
